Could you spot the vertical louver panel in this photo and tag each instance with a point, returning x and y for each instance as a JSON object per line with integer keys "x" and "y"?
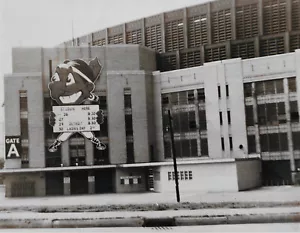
{"x": 294, "y": 42}
{"x": 274, "y": 13}
{"x": 197, "y": 31}
{"x": 272, "y": 46}
{"x": 247, "y": 21}
{"x": 153, "y": 37}
{"x": 100, "y": 42}
{"x": 134, "y": 37}
{"x": 221, "y": 26}
{"x": 116, "y": 39}
{"x": 215, "y": 54}
{"x": 174, "y": 35}
{"x": 243, "y": 50}
{"x": 168, "y": 63}
{"x": 190, "y": 59}
{"x": 295, "y": 15}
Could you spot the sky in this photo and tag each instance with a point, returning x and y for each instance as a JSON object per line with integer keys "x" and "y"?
{"x": 47, "y": 23}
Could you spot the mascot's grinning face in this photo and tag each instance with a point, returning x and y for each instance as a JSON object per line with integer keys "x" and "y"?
{"x": 72, "y": 83}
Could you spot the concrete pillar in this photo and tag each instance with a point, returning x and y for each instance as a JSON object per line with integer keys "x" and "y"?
{"x": 124, "y": 33}
{"x": 65, "y": 154}
{"x": 288, "y": 15}
{"x": 89, "y": 152}
{"x": 256, "y": 46}
{"x": 177, "y": 59}
{"x": 67, "y": 183}
{"x": 233, "y": 21}
{"x": 197, "y": 122}
{"x": 163, "y": 33}
{"x": 106, "y": 36}
{"x": 255, "y": 117}
{"x": 185, "y": 28}
{"x": 289, "y": 129}
{"x": 202, "y": 54}
{"x": 209, "y": 29}
{"x": 91, "y": 180}
{"x": 143, "y": 32}
{"x": 260, "y": 18}
{"x": 228, "y": 49}
{"x": 286, "y": 42}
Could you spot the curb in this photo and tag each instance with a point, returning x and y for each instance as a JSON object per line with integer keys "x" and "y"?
{"x": 149, "y": 222}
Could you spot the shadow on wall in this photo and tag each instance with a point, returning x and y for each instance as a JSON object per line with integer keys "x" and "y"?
{"x": 1, "y": 167}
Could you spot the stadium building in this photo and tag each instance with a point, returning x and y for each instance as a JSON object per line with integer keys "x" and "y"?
{"x": 229, "y": 72}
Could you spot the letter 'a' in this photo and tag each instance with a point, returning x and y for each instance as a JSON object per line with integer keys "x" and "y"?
{"x": 13, "y": 151}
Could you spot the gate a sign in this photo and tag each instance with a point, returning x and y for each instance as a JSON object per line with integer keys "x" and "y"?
{"x": 13, "y": 147}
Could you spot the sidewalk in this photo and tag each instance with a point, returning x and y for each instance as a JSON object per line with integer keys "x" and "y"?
{"x": 280, "y": 194}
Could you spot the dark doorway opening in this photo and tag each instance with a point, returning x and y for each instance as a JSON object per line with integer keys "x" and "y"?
{"x": 54, "y": 183}
{"x": 79, "y": 182}
{"x": 276, "y": 173}
{"x": 104, "y": 180}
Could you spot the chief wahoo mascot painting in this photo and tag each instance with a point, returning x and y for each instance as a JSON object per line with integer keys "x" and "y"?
{"x": 71, "y": 86}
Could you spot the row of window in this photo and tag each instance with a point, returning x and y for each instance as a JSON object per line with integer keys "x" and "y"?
{"x": 130, "y": 180}
{"x": 269, "y": 87}
{"x": 274, "y": 21}
{"x": 184, "y": 97}
{"x": 223, "y": 143}
{"x": 182, "y": 175}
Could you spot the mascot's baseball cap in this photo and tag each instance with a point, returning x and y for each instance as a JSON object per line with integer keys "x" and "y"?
{"x": 81, "y": 68}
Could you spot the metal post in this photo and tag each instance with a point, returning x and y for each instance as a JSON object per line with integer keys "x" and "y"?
{"x": 174, "y": 155}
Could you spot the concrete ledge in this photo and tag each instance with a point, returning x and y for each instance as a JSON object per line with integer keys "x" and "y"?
{"x": 149, "y": 222}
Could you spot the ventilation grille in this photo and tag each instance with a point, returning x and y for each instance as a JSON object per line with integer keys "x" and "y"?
{"x": 244, "y": 50}
{"x": 246, "y": 21}
{"x": 168, "y": 63}
{"x": 190, "y": 59}
{"x": 117, "y": 39}
{"x": 174, "y": 35}
{"x": 272, "y": 46}
{"x": 274, "y": 13}
{"x": 294, "y": 42}
{"x": 295, "y": 15}
{"x": 197, "y": 31}
{"x": 134, "y": 37}
{"x": 100, "y": 42}
{"x": 221, "y": 26}
{"x": 153, "y": 37}
{"x": 215, "y": 54}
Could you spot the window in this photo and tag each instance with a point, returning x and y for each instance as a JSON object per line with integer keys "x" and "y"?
{"x": 204, "y": 146}
{"x": 248, "y": 89}
{"x": 197, "y": 30}
{"x": 202, "y": 120}
{"x": 229, "y": 117}
{"x": 116, "y": 39}
{"x": 169, "y": 175}
{"x": 191, "y": 97}
{"x": 272, "y": 46}
{"x": 77, "y": 153}
{"x": 130, "y": 152}
{"x": 174, "y": 35}
{"x": 249, "y": 115}
{"x": 294, "y": 111}
{"x": 221, "y": 118}
{"x": 230, "y": 143}
{"x": 165, "y": 100}
{"x": 292, "y": 84}
{"x": 102, "y": 102}
{"x": 128, "y": 125}
{"x": 296, "y": 140}
{"x": 251, "y": 144}
{"x": 23, "y": 101}
{"x": 243, "y": 50}
{"x": 190, "y": 175}
{"x": 154, "y": 38}
{"x": 201, "y": 95}
{"x": 127, "y": 101}
{"x": 219, "y": 92}
{"x": 227, "y": 90}
{"x": 274, "y": 142}
{"x": 221, "y": 25}
{"x": 247, "y": 21}
{"x": 222, "y": 144}
{"x": 134, "y": 37}
{"x": 101, "y": 157}
{"x": 271, "y": 113}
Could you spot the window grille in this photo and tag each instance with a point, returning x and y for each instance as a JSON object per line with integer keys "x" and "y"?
{"x": 247, "y": 21}
{"x": 168, "y": 63}
{"x": 243, "y": 50}
{"x": 274, "y": 13}
{"x": 116, "y": 39}
{"x": 99, "y": 42}
{"x": 221, "y": 26}
{"x": 215, "y": 54}
{"x": 197, "y": 31}
{"x": 134, "y": 37}
{"x": 153, "y": 37}
{"x": 174, "y": 35}
{"x": 295, "y": 15}
{"x": 294, "y": 42}
{"x": 272, "y": 46}
{"x": 190, "y": 59}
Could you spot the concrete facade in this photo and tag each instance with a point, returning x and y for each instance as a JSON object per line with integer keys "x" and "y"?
{"x": 223, "y": 167}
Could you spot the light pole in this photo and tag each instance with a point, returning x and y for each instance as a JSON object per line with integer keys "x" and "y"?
{"x": 174, "y": 155}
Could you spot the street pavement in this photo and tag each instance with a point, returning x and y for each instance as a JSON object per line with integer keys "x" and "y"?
{"x": 274, "y": 227}
{"x": 264, "y": 194}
